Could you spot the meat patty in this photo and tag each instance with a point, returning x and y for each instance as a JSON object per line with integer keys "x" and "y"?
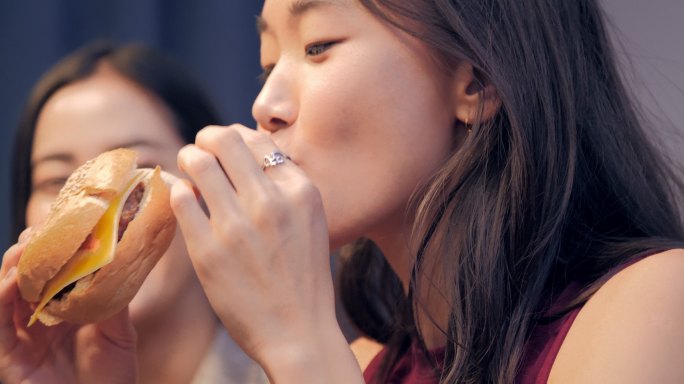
{"x": 130, "y": 208}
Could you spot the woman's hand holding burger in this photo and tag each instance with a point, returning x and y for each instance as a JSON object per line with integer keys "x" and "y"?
{"x": 65, "y": 353}
{"x": 76, "y": 274}
{"x": 262, "y": 254}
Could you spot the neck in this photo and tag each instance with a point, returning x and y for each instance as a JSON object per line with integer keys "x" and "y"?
{"x": 171, "y": 345}
{"x": 433, "y": 312}
{"x": 398, "y": 255}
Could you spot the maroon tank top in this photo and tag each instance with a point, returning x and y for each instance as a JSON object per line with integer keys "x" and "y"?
{"x": 541, "y": 348}
{"x": 414, "y": 367}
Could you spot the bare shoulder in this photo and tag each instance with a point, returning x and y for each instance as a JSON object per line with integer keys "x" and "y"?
{"x": 631, "y": 330}
{"x": 365, "y": 349}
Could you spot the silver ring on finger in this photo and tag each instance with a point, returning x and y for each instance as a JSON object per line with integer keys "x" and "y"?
{"x": 274, "y": 159}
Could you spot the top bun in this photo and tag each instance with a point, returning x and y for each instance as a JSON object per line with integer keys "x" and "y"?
{"x": 79, "y": 206}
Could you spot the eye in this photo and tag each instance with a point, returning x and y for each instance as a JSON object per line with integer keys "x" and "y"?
{"x": 319, "y": 48}
{"x": 265, "y": 73}
{"x": 51, "y": 185}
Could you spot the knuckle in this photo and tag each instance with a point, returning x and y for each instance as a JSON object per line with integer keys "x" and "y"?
{"x": 207, "y": 132}
{"x": 255, "y": 138}
{"x": 216, "y": 137}
{"x": 10, "y": 258}
{"x": 205, "y": 136}
{"x": 199, "y": 162}
{"x": 237, "y": 127}
{"x": 179, "y": 201}
{"x": 25, "y": 235}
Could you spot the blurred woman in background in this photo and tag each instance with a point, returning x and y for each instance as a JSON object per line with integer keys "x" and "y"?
{"x": 103, "y": 97}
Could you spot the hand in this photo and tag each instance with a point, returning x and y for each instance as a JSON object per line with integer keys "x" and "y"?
{"x": 94, "y": 353}
{"x": 262, "y": 255}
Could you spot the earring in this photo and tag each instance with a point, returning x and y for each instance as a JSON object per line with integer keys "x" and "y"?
{"x": 470, "y": 128}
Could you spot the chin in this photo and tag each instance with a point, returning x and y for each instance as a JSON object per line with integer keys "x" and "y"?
{"x": 339, "y": 238}
{"x": 152, "y": 299}
{"x": 143, "y": 308}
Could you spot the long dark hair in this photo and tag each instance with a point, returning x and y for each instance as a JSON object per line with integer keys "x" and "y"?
{"x": 562, "y": 185}
{"x": 152, "y": 70}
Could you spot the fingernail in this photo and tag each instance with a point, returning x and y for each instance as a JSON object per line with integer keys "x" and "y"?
{"x": 12, "y": 271}
{"x": 25, "y": 235}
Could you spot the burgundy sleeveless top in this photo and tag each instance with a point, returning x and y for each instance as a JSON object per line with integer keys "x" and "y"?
{"x": 414, "y": 367}
{"x": 541, "y": 348}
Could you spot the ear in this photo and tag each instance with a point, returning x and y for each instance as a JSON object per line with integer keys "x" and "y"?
{"x": 469, "y": 92}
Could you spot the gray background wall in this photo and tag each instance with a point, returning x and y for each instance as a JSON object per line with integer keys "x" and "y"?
{"x": 217, "y": 39}
{"x": 651, "y": 33}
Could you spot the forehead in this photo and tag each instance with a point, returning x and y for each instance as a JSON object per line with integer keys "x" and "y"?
{"x": 279, "y": 9}
{"x": 98, "y": 112}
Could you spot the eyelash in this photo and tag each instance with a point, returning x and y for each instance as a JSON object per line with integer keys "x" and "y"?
{"x": 52, "y": 185}
{"x": 311, "y": 50}
{"x": 316, "y": 49}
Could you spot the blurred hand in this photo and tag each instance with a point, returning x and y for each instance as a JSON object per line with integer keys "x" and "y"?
{"x": 94, "y": 353}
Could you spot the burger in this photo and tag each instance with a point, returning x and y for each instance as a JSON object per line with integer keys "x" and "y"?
{"x": 108, "y": 227}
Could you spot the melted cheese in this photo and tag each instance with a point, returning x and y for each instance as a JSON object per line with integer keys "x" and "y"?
{"x": 87, "y": 261}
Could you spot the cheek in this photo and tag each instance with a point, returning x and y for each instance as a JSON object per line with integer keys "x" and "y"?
{"x": 368, "y": 139}
{"x": 37, "y": 209}
{"x": 382, "y": 101}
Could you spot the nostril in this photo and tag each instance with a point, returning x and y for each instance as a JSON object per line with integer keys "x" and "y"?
{"x": 277, "y": 123}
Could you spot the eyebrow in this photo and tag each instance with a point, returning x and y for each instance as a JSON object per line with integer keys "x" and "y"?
{"x": 68, "y": 158}
{"x": 135, "y": 143}
{"x": 61, "y": 157}
{"x": 297, "y": 9}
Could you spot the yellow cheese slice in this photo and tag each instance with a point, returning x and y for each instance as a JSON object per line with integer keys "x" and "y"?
{"x": 87, "y": 261}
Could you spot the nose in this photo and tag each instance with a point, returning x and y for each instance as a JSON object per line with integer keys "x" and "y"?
{"x": 275, "y": 107}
